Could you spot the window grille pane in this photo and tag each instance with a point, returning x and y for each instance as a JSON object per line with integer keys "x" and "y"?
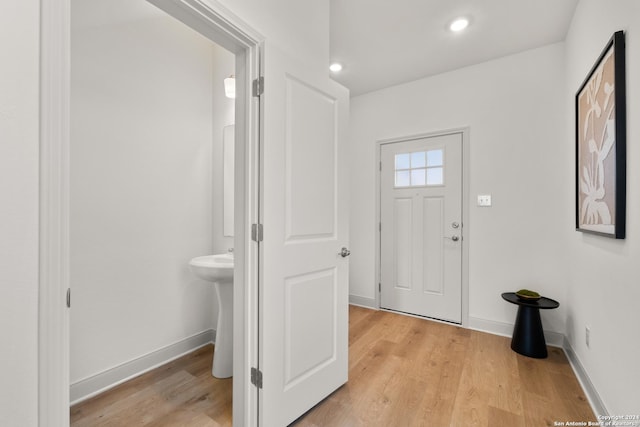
{"x": 402, "y": 161}
{"x": 418, "y": 177}
{"x": 434, "y": 157}
{"x": 418, "y": 160}
{"x": 402, "y": 179}
{"x": 434, "y": 176}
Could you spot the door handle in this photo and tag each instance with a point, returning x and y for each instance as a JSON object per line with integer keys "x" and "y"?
{"x": 344, "y": 252}
{"x": 454, "y": 238}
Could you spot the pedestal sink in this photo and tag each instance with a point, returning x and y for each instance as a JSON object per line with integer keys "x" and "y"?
{"x": 219, "y": 270}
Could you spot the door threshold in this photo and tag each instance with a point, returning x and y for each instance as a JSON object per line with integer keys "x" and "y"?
{"x": 434, "y": 319}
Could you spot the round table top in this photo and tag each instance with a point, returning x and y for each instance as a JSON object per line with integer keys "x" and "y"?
{"x": 543, "y": 302}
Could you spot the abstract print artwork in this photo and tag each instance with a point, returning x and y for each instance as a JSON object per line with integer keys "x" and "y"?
{"x": 601, "y": 145}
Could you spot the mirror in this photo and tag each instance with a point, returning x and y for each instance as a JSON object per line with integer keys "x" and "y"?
{"x": 228, "y": 148}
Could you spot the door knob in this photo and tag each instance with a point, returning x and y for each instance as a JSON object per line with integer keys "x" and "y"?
{"x": 344, "y": 252}
{"x": 454, "y": 238}
{"x": 455, "y": 225}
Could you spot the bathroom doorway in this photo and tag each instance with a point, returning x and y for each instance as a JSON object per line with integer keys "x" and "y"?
{"x": 121, "y": 177}
{"x": 148, "y": 119}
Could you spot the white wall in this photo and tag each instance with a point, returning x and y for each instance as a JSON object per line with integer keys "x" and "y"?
{"x": 603, "y": 282}
{"x": 141, "y": 182}
{"x": 19, "y": 82}
{"x": 514, "y": 108}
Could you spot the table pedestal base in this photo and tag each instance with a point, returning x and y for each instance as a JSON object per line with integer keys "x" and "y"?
{"x": 528, "y": 337}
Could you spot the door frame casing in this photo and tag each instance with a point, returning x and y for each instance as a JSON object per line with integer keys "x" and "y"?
{"x": 214, "y": 21}
{"x": 466, "y": 226}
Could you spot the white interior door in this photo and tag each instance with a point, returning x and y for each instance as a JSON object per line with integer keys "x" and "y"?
{"x": 303, "y": 298}
{"x": 421, "y": 226}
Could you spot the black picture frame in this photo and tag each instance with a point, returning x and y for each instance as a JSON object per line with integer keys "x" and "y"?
{"x": 601, "y": 136}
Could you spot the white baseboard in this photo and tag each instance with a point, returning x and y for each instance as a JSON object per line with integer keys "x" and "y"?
{"x": 363, "y": 301}
{"x": 594, "y": 398}
{"x": 96, "y": 384}
{"x": 554, "y": 339}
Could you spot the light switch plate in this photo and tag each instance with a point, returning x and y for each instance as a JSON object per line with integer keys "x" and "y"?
{"x": 484, "y": 200}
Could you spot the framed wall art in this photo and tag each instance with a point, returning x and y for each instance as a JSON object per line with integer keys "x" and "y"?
{"x": 601, "y": 144}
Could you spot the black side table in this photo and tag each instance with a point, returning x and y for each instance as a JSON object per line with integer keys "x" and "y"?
{"x": 528, "y": 337}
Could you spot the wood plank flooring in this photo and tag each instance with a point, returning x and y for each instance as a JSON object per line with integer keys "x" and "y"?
{"x": 406, "y": 371}
{"x": 403, "y": 371}
{"x": 180, "y": 393}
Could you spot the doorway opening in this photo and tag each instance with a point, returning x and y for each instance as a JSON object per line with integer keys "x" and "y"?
{"x": 224, "y": 29}
{"x": 423, "y": 225}
{"x": 148, "y": 114}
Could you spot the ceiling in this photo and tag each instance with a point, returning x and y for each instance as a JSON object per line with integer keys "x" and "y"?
{"x": 382, "y": 43}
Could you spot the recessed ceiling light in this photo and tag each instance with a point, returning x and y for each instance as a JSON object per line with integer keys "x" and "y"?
{"x": 459, "y": 24}
{"x": 335, "y": 67}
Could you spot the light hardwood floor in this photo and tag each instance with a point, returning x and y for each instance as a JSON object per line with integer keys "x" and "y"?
{"x": 406, "y": 371}
{"x": 180, "y": 393}
{"x": 403, "y": 371}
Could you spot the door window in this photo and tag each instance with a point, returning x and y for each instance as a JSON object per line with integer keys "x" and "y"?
{"x": 420, "y": 168}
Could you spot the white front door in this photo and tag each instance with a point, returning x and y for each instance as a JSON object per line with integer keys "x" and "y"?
{"x": 421, "y": 226}
{"x": 303, "y": 301}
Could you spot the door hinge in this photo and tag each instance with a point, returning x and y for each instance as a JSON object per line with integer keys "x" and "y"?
{"x": 379, "y": 287}
{"x": 258, "y": 86}
{"x": 68, "y": 297}
{"x": 256, "y": 377}
{"x": 380, "y": 226}
{"x": 380, "y": 165}
{"x": 256, "y": 232}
